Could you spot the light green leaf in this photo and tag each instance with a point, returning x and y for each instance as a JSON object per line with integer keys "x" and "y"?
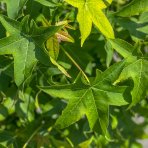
{"x": 14, "y": 7}
{"x": 62, "y": 69}
{"x": 143, "y": 29}
{"x": 25, "y": 106}
{"x": 133, "y": 8}
{"x": 85, "y": 24}
{"x": 122, "y": 47}
{"x": 87, "y": 143}
{"x": 25, "y": 44}
{"x": 53, "y": 48}
{"x": 138, "y": 72}
{"x": 75, "y": 3}
{"x": 100, "y": 20}
{"x": 109, "y": 1}
{"x": 110, "y": 52}
{"x": 91, "y": 100}
{"x": 91, "y": 12}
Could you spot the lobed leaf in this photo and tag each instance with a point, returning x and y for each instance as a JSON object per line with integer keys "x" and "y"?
{"x": 91, "y": 100}
{"x": 91, "y": 12}
{"x": 138, "y": 72}
{"x": 27, "y": 47}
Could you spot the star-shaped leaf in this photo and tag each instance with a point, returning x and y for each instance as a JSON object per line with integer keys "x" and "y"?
{"x": 90, "y": 11}
{"x": 26, "y": 44}
{"x": 138, "y": 72}
{"x": 92, "y": 100}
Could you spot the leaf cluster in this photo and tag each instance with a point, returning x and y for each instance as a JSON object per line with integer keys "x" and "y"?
{"x": 73, "y": 73}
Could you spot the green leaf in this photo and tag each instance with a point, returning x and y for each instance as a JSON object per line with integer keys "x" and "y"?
{"x": 133, "y": 8}
{"x": 91, "y": 100}
{"x": 52, "y": 46}
{"x": 5, "y": 137}
{"x": 14, "y": 7}
{"x": 47, "y": 3}
{"x": 86, "y": 143}
{"x": 62, "y": 69}
{"x": 110, "y": 52}
{"x": 25, "y": 106}
{"x": 26, "y": 44}
{"x": 138, "y": 72}
{"x": 122, "y": 47}
{"x": 91, "y": 12}
{"x": 134, "y": 27}
{"x": 143, "y": 29}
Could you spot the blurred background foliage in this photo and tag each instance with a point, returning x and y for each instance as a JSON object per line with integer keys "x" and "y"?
{"x": 27, "y": 115}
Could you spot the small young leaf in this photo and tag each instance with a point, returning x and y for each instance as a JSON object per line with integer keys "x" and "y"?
{"x": 91, "y": 12}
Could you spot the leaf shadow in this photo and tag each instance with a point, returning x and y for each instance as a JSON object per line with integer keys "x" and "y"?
{"x": 133, "y": 27}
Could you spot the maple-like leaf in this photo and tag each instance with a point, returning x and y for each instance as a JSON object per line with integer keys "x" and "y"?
{"x": 26, "y": 44}
{"x": 89, "y": 12}
{"x": 92, "y": 99}
{"x": 138, "y": 72}
{"x": 136, "y": 69}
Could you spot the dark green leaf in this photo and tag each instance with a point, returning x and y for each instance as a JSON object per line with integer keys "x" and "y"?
{"x": 26, "y": 44}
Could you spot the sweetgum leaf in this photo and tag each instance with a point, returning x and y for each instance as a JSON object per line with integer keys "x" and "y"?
{"x": 138, "y": 72}
{"x": 133, "y": 8}
{"x": 26, "y": 44}
{"x": 91, "y": 12}
{"x": 124, "y": 48}
{"x": 92, "y": 100}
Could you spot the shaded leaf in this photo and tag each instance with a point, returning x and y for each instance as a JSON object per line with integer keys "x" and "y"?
{"x": 47, "y": 3}
{"x": 133, "y": 8}
{"x": 26, "y": 44}
{"x": 138, "y": 72}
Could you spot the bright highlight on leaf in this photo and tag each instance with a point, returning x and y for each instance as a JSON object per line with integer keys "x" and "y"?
{"x": 91, "y": 11}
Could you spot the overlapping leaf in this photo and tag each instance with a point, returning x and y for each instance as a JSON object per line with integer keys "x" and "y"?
{"x": 47, "y": 3}
{"x": 136, "y": 69}
{"x": 89, "y": 12}
{"x": 91, "y": 100}
{"x": 133, "y": 8}
{"x": 26, "y": 44}
{"x": 14, "y": 7}
{"x": 122, "y": 47}
{"x": 138, "y": 72}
